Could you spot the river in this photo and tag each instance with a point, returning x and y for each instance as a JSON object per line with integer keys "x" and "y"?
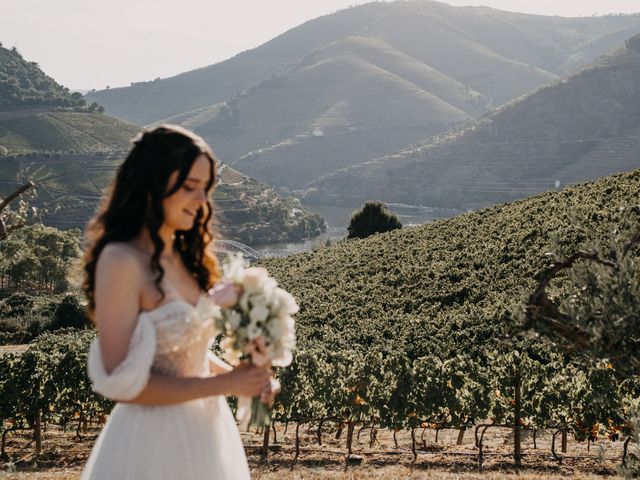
{"x": 338, "y": 218}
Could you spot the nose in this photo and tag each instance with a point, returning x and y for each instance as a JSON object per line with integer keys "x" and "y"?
{"x": 202, "y": 197}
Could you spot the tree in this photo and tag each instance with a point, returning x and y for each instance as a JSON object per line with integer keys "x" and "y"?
{"x": 25, "y": 269}
{"x": 11, "y": 220}
{"x": 69, "y": 314}
{"x": 599, "y": 316}
{"x": 373, "y": 217}
{"x": 597, "y": 319}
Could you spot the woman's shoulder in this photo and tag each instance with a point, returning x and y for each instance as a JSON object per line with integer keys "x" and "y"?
{"x": 122, "y": 257}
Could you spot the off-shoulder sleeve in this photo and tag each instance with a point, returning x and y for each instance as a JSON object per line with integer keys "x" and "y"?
{"x": 130, "y": 377}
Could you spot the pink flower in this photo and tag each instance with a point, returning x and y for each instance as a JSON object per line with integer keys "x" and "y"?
{"x": 225, "y": 294}
{"x": 258, "y": 350}
{"x": 254, "y": 277}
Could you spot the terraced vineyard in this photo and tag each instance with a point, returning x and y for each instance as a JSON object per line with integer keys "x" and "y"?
{"x": 71, "y": 185}
{"x": 410, "y": 331}
{"x": 64, "y": 131}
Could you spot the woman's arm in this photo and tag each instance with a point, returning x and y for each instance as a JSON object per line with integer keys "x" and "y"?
{"x": 247, "y": 381}
{"x": 218, "y": 366}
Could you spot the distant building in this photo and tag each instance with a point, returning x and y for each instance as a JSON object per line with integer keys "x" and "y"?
{"x": 318, "y": 133}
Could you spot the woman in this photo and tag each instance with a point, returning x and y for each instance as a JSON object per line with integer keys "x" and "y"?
{"x": 146, "y": 268}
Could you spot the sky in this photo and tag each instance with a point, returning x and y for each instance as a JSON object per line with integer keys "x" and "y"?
{"x": 85, "y": 44}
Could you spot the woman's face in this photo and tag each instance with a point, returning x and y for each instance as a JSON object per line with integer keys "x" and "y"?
{"x": 180, "y": 209}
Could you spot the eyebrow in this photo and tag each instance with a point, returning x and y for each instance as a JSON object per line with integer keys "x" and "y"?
{"x": 191, "y": 179}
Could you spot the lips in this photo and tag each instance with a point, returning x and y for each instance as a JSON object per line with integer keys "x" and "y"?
{"x": 189, "y": 212}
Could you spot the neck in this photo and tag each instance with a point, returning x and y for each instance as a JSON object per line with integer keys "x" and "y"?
{"x": 143, "y": 241}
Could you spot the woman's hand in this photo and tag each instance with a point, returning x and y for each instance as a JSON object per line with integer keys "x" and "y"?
{"x": 247, "y": 380}
{"x": 268, "y": 395}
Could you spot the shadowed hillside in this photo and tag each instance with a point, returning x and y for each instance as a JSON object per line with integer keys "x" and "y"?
{"x": 452, "y": 279}
{"x": 24, "y": 132}
{"x": 365, "y": 82}
{"x": 71, "y": 185}
{"x": 72, "y": 154}
{"x": 577, "y": 129}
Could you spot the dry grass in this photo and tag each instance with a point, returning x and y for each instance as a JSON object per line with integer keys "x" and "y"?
{"x": 63, "y": 457}
{"x": 390, "y": 473}
{"x": 13, "y": 348}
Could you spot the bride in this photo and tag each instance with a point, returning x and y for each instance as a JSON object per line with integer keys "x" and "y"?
{"x": 146, "y": 268}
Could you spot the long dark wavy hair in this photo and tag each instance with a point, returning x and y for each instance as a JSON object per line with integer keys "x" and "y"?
{"x": 135, "y": 199}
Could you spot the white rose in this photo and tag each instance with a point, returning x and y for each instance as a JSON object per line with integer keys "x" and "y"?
{"x": 288, "y": 341}
{"x": 234, "y": 268}
{"x": 268, "y": 289}
{"x": 282, "y": 357}
{"x": 234, "y": 319}
{"x": 281, "y": 326}
{"x": 259, "y": 299}
{"x": 284, "y": 303}
{"x": 244, "y": 302}
{"x": 259, "y": 313}
{"x": 253, "y": 331}
{"x": 276, "y": 328}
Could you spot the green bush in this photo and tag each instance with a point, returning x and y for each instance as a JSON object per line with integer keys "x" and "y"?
{"x": 373, "y": 217}
{"x": 69, "y": 313}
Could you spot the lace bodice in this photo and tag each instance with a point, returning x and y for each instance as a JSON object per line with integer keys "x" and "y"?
{"x": 183, "y": 336}
{"x": 173, "y": 339}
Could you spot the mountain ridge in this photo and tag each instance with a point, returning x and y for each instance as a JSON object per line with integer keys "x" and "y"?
{"x": 525, "y": 142}
{"x": 223, "y": 80}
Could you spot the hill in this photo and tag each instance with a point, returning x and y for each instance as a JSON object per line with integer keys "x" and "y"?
{"x": 336, "y": 97}
{"x": 446, "y": 283}
{"x": 71, "y": 152}
{"x": 366, "y": 82}
{"x": 574, "y": 130}
{"x": 51, "y": 131}
{"x": 508, "y": 48}
{"x": 70, "y": 186}
{"x": 24, "y": 85}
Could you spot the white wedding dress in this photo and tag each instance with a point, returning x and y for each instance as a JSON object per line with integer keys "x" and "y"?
{"x": 192, "y": 440}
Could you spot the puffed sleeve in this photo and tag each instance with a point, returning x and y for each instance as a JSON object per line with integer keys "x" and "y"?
{"x": 130, "y": 377}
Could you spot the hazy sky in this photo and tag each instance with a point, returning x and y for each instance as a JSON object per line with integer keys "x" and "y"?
{"x": 90, "y": 44}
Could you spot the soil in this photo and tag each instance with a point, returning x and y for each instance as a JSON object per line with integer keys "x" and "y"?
{"x": 63, "y": 455}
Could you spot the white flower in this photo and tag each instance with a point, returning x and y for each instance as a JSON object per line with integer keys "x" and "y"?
{"x": 280, "y": 326}
{"x": 284, "y": 303}
{"x": 268, "y": 289}
{"x": 234, "y": 319}
{"x": 259, "y": 313}
{"x": 253, "y": 331}
{"x": 282, "y": 357}
{"x": 244, "y": 302}
{"x": 233, "y": 268}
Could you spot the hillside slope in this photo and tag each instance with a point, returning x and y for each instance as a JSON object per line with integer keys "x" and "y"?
{"x": 508, "y": 48}
{"x": 24, "y": 85}
{"x": 71, "y": 185}
{"x": 450, "y": 279}
{"x": 574, "y": 130}
{"x": 72, "y": 152}
{"x": 29, "y": 131}
{"x": 336, "y": 95}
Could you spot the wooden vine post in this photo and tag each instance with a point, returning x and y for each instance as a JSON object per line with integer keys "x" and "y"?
{"x": 37, "y": 432}
{"x": 517, "y": 427}
{"x": 265, "y": 442}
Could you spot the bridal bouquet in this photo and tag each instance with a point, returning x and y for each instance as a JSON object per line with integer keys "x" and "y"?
{"x": 256, "y": 324}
